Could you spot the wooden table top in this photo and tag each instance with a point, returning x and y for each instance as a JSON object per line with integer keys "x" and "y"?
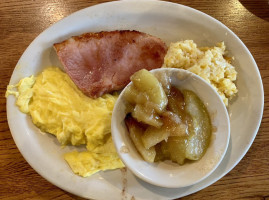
{"x": 22, "y": 20}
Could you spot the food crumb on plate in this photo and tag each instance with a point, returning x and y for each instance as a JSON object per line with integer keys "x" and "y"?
{"x": 124, "y": 149}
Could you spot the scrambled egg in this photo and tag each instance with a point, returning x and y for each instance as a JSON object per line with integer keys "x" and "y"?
{"x": 207, "y": 62}
{"x": 58, "y": 107}
{"x": 23, "y": 94}
{"x": 87, "y": 163}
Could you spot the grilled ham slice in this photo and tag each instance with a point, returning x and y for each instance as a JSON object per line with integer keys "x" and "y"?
{"x": 103, "y": 62}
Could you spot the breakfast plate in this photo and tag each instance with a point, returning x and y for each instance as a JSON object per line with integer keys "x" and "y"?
{"x": 170, "y": 22}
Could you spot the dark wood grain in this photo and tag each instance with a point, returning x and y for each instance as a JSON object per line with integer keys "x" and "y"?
{"x": 22, "y": 20}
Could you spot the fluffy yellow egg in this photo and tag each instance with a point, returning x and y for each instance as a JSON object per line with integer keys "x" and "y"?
{"x": 57, "y": 106}
{"x": 87, "y": 163}
{"x": 207, "y": 62}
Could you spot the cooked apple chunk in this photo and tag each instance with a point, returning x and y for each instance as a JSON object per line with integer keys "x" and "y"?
{"x": 147, "y": 115}
{"x": 176, "y": 148}
{"x": 153, "y": 136}
{"x": 136, "y": 130}
{"x": 173, "y": 124}
{"x": 147, "y": 83}
{"x": 134, "y": 96}
{"x": 200, "y": 131}
{"x": 165, "y": 81}
{"x": 176, "y": 102}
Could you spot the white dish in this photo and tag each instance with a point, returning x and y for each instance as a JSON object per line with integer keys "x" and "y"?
{"x": 171, "y": 22}
{"x": 168, "y": 174}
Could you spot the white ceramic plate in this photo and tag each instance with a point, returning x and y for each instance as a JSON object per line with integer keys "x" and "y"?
{"x": 171, "y": 22}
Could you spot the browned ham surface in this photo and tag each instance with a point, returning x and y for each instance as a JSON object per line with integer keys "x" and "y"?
{"x": 100, "y": 63}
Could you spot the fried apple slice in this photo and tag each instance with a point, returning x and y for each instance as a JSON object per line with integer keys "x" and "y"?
{"x": 147, "y": 115}
{"x": 134, "y": 96}
{"x": 136, "y": 131}
{"x": 153, "y": 136}
{"x": 175, "y": 149}
{"x": 173, "y": 124}
{"x": 146, "y": 82}
{"x": 200, "y": 131}
{"x": 176, "y": 102}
